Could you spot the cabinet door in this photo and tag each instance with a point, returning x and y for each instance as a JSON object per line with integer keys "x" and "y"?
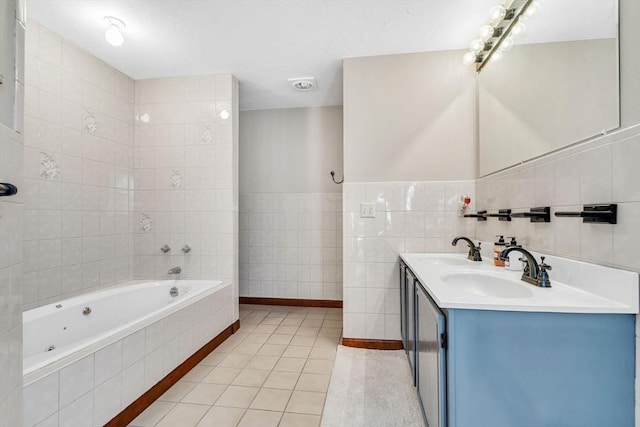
{"x": 403, "y": 304}
{"x": 411, "y": 322}
{"x": 430, "y": 359}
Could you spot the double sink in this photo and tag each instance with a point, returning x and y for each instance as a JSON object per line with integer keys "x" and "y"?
{"x": 453, "y": 281}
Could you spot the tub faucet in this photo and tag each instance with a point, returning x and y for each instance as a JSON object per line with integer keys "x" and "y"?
{"x": 474, "y": 251}
{"x": 175, "y": 270}
{"x": 534, "y": 273}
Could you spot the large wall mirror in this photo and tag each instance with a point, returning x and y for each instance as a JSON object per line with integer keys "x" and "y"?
{"x": 557, "y": 86}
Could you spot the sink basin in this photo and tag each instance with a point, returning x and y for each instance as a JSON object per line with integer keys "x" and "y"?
{"x": 487, "y": 285}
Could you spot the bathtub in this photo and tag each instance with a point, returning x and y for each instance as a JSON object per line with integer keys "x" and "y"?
{"x": 89, "y": 357}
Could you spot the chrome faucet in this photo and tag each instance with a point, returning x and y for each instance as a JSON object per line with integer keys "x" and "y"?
{"x": 175, "y": 270}
{"x": 533, "y": 273}
{"x": 474, "y": 251}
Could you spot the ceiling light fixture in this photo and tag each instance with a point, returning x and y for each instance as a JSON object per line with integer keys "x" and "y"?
{"x": 304, "y": 84}
{"x": 505, "y": 24}
{"x": 113, "y": 34}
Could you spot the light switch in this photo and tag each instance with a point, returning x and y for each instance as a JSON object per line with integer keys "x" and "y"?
{"x": 367, "y": 210}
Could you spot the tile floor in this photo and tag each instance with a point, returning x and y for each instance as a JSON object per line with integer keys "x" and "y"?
{"x": 274, "y": 371}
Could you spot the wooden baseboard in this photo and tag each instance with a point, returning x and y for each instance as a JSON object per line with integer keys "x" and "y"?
{"x": 292, "y": 302}
{"x": 139, "y": 405}
{"x": 372, "y": 344}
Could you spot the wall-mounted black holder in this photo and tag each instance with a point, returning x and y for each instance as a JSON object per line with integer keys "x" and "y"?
{"x": 7, "y": 189}
{"x": 502, "y": 215}
{"x": 535, "y": 214}
{"x": 595, "y": 214}
{"x": 480, "y": 215}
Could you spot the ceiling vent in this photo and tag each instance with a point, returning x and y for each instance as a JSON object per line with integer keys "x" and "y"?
{"x": 304, "y": 84}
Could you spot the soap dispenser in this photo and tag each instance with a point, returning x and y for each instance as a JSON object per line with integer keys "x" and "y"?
{"x": 498, "y": 247}
{"x": 513, "y": 262}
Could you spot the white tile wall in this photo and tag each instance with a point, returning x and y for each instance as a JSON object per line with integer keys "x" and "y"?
{"x": 410, "y": 217}
{"x": 602, "y": 171}
{"x": 185, "y": 178}
{"x": 78, "y": 162}
{"x": 291, "y": 245}
{"x": 93, "y": 390}
{"x": 11, "y": 217}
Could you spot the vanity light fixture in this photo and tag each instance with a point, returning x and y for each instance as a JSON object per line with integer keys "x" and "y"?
{"x": 505, "y": 24}
{"x": 113, "y": 34}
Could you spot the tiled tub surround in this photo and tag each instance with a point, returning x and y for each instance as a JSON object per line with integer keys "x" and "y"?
{"x": 92, "y": 390}
{"x": 291, "y": 245}
{"x": 410, "y": 217}
{"x": 186, "y": 177}
{"x": 10, "y": 281}
{"x": 78, "y": 162}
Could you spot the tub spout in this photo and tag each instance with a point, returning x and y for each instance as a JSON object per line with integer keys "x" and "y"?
{"x": 175, "y": 270}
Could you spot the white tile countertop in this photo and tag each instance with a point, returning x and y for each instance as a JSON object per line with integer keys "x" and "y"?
{"x": 577, "y": 287}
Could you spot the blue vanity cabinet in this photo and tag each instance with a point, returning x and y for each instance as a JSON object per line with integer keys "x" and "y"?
{"x": 517, "y": 368}
{"x": 533, "y": 369}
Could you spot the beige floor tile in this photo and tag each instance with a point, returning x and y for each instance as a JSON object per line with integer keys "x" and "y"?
{"x": 264, "y": 329}
{"x": 212, "y": 359}
{"x": 197, "y": 373}
{"x": 272, "y": 350}
{"x": 183, "y": 415}
{"x": 279, "y": 339}
{"x": 327, "y": 353}
{"x": 153, "y": 414}
{"x": 306, "y": 402}
{"x": 256, "y": 418}
{"x": 177, "y": 391}
{"x": 206, "y": 393}
{"x": 319, "y": 314}
{"x": 235, "y": 360}
{"x": 271, "y": 321}
{"x": 291, "y": 321}
{"x": 296, "y": 315}
{"x": 265, "y": 363}
{"x": 313, "y": 382}
{"x": 219, "y": 416}
{"x": 302, "y": 340}
{"x": 299, "y": 420}
{"x": 221, "y": 375}
{"x": 257, "y": 338}
{"x": 251, "y": 378}
{"x": 286, "y": 330}
{"x": 290, "y": 364}
{"x": 297, "y": 351}
{"x": 246, "y": 348}
{"x": 282, "y": 380}
{"x": 332, "y": 323}
{"x": 270, "y": 399}
{"x": 237, "y": 396}
{"x": 308, "y": 331}
{"x": 313, "y": 323}
{"x": 318, "y": 366}
{"x": 327, "y": 342}
{"x": 330, "y": 332}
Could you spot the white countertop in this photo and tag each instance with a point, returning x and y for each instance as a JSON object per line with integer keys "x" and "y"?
{"x": 593, "y": 288}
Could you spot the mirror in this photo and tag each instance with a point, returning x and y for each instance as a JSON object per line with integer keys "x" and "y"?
{"x": 557, "y": 86}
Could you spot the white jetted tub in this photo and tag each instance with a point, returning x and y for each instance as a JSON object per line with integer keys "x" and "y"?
{"x": 89, "y": 357}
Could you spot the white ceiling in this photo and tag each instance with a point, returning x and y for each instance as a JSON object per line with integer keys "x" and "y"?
{"x": 265, "y": 42}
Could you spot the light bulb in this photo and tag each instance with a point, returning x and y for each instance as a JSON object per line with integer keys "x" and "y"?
{"x": 497, "y": 56}
{"x": 496, "y": 15}
{"x": 113, "y": 34}
{"x": 506, "y": 44}
{"x": 224, "y": 114}
{"x": 518, "y": 29}
{"x": 476, "y": 46}
{"x": 469, "y": 58}
{"x": 532, "y": 9}
{"x": 486, "y": 32}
